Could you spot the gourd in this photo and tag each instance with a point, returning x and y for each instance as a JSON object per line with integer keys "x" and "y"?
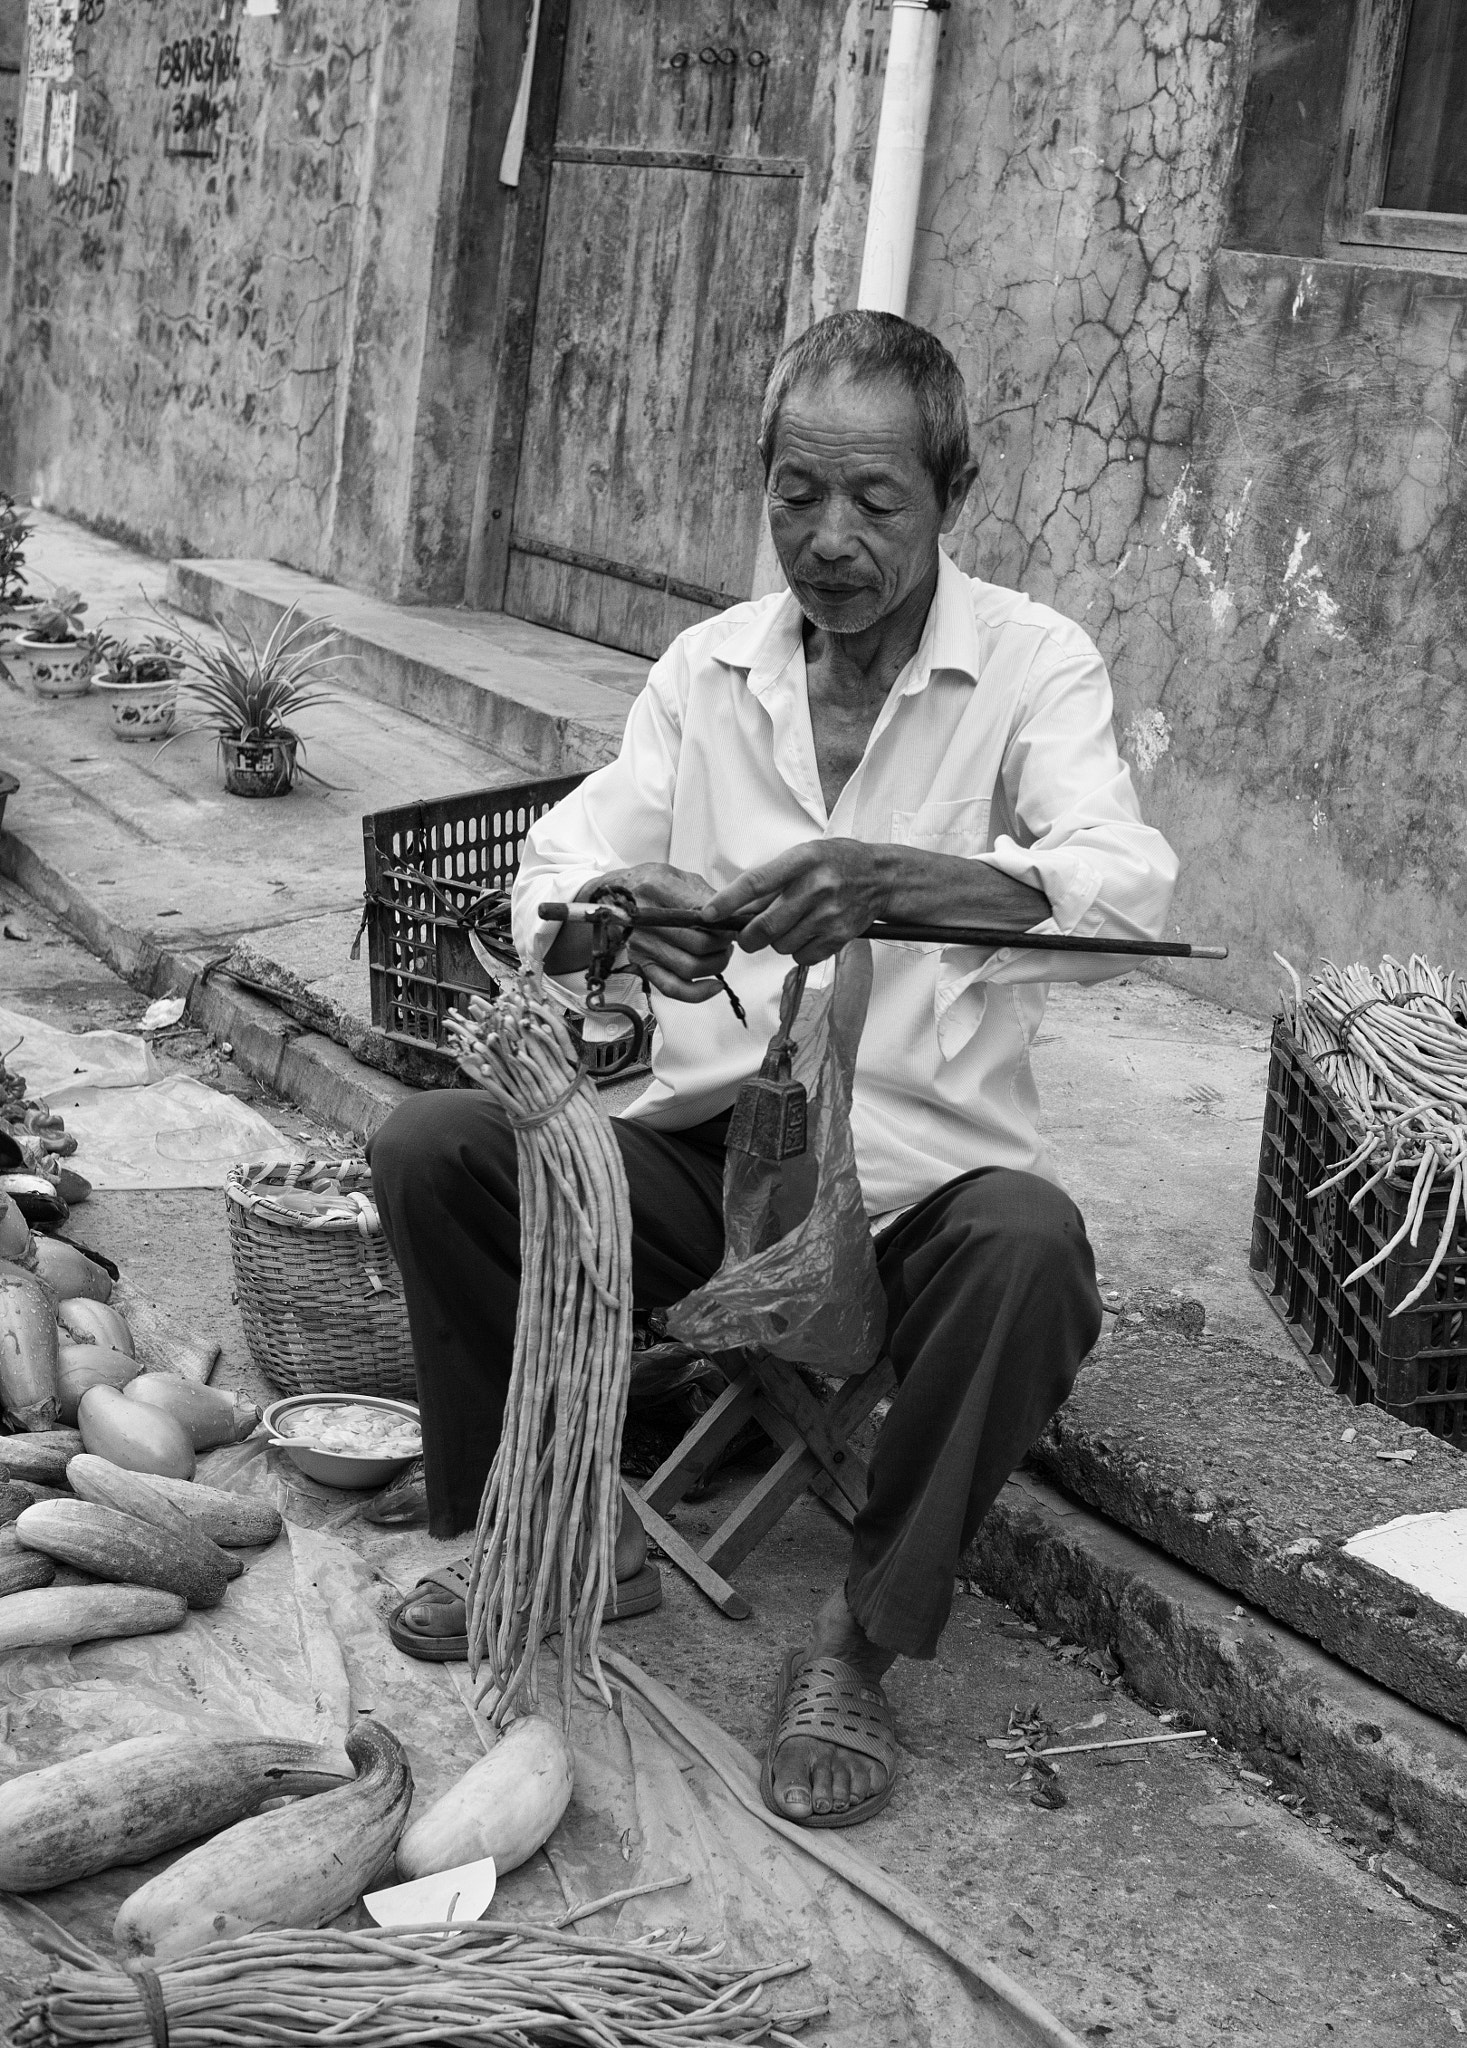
{"x": 138, "y": 1438}
{"x": 15, "y": 1232}
{"x": 107, "y": 1485}
{"x": 71, "y": 1272}
{"x": 21, "y": 1569}
{"x": 208, "y": 1414}
{"x": 297, "y": 1867}
{"x": 134, "y": 1799}
{"x": 506, "y": 1806}
{"x": 233, "y": 1520}
{"x": 84, "y": 1366}
{"x": 85, "y": 1321}
{"x": 42, "y": 1456}
{"x": 85, "y": 1614}
{"x": 115, "y": 1546}
{"x": 28, "y": 1353}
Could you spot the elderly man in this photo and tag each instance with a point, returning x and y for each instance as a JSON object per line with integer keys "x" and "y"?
{"x": 888, "y": 738}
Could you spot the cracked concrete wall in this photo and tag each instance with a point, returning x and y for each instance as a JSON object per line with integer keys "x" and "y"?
{"x": 218, "y": 319}
{"x": 1242, "y": 473}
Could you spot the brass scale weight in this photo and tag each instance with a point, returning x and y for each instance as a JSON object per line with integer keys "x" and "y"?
{"x": 770, "y": 1112}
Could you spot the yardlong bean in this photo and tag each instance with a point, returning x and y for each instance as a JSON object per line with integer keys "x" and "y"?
{"x": 544, "y": 1546}
{"x": 1393, "y": 1048}
{"x": 506, "y": 1985}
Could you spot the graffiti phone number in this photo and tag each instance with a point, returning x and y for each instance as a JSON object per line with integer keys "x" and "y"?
{"x": 204, "y": 61}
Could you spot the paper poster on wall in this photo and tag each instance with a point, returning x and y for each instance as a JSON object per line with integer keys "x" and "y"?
{"x": 61, "y": 142}
{"x": 51, "y": 39}
{"x": 32, "y": 127}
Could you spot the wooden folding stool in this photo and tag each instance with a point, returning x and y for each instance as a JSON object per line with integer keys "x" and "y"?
{"x": 814, "y": 1451}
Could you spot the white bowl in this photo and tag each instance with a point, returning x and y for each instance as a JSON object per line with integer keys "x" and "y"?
{"x": 339, "y": 1468}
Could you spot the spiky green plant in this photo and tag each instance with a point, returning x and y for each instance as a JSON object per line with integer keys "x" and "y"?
{"x": 252, "y": 693}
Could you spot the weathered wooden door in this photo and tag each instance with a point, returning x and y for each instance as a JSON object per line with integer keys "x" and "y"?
{"x": 671, "y": 230}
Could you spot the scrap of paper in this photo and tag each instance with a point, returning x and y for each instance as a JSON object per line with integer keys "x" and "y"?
{"x": 61, "y": 141}
{"x": 31, "y": 153}
{"x": 50, "y": 40}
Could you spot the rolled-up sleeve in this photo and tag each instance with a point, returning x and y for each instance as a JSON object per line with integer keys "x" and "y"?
{"x": 619, "y": 817}
{"x": 1079, "y": 836}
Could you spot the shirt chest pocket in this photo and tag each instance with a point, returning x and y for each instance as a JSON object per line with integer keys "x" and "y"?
{"x": 959, "y": 828}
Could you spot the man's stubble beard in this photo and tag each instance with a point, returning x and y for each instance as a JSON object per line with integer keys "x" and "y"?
{"x": 848, "y": 623}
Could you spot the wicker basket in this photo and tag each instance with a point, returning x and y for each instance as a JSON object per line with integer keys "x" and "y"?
{"x": 320, "y": 1296}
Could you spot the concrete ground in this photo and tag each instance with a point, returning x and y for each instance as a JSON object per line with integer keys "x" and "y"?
{"x": 1172, "y": 1902}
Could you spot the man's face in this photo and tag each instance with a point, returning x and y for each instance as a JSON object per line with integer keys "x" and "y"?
{"x": 853, "y": 511}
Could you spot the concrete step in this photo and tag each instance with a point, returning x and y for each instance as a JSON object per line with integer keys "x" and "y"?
{"x": 1392, "y": 1776}
{"x": 1239, "y": 1464}
{"x": 551, "y": 703}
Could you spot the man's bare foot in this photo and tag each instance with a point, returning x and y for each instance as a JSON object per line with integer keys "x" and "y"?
{"x": 812, "y": 1776}
{"x": 435, "y": 1611}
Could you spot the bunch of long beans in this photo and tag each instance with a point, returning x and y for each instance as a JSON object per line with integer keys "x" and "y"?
{"x": 504, "y": 1985}
{"x": 1393, "y": 1046}
{"x": 543, "y": 1557}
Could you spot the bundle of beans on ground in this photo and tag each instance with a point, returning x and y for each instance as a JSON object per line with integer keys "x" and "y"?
{"x": 1393, "y": 1048}
{"x": 505, "y": 1986}
{"x": 546, "y": 1535}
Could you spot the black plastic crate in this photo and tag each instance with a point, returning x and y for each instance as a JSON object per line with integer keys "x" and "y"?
{"x": 1414, "y": 1365}
{"x": 428, "y": 863}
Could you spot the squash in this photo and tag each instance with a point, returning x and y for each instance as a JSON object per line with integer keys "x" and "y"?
{"x": 70, "y": 1271}
{"x": 28, "y": 1353}
{"x": 42, "y": 1456}
{"x": 115, "y": 1546}
{"x": 137, "y": 1438}
{"x": 83, "y": 1366}
{"x": 85, "y": 1321}
{"x": 85, "y": 1614}
{"x": 14, "y": 1495}
{"x": 21, "y": 1569}
{"x": 235, "y": 1520}
{"x": 507, "y": 1805}
{"x": 15, "y": 1233}
{"x": 209, "y": 1414}
{"x": 297, "y": 1867}
{"x": 107, "y": 1485}
{"x": 134, "y": 1799}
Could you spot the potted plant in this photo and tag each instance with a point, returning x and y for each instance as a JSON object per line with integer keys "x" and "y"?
{"x": 140, "y": 683}
{"x": 249, "y": 695}
{"x": 53, "y": 651}
{"x": 16, "y": 602}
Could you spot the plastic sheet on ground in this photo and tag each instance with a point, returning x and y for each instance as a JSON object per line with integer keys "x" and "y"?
{"x": 135, "y": 1128}
{"x": 299, "y": 1647}
{"x": 52, "y": 1058}
{"x": 1428, "y": 1552}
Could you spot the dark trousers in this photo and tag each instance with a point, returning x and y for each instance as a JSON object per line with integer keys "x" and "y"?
{"x": 991, "y": 1307}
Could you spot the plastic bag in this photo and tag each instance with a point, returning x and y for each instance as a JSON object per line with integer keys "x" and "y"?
{"x": 799, "y": 1277}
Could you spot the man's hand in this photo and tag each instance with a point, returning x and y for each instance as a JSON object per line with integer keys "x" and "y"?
{"x": 680, "y": 961}
{"x": 808, "y": 902}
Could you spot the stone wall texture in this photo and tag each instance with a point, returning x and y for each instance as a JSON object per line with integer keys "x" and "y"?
{"x": 215, "y": 319}
{"x": 1243, "y": 473}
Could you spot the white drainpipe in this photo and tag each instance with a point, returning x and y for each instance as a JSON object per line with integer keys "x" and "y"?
{"x": 901, "y": 145}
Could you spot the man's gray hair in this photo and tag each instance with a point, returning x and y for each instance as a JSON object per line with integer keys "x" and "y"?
{"x": 871, "y": 345}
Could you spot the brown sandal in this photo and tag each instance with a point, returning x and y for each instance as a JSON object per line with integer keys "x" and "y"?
{"x": 829, "y": 1700}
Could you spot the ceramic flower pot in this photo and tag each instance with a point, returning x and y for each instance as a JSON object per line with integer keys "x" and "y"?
{"x": 141, "y": 711}
{"x": 52, "y": 668}
{"x": 259, "y": 767}
{"x": 15, "y": 616}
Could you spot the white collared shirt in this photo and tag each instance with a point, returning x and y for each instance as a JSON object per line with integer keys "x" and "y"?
{"x": 994, "y": 743}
